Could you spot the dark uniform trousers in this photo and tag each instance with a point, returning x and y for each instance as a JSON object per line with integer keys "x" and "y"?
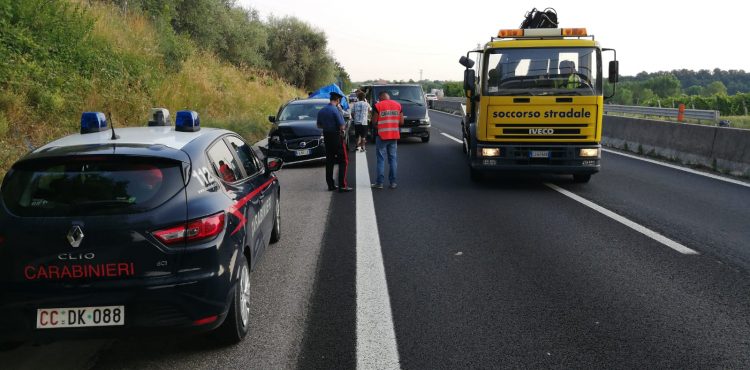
{"x": 335, "y": 154}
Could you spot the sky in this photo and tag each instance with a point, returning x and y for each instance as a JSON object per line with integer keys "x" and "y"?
{"x": 406, "y": 39}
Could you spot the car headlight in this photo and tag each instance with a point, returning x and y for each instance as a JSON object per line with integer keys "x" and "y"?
{"x": 425, "y": 121}
{"x": 274, "y": 139}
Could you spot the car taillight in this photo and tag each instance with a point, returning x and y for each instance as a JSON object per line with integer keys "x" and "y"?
{"x": 201, "y": 229}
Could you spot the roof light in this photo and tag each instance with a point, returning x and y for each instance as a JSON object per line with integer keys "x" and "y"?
{"x": 510, "y": 33}
{"x": 93, "y": 122}
{"x": 574, "y": 32}
{"x": 187, "y": 121}
{"x": 159, "y": 117}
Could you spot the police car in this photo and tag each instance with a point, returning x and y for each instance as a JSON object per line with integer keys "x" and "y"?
{"x": 136, "y": 229}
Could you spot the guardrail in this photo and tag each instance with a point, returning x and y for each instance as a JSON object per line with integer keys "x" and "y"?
{"x": 708, "y": 115}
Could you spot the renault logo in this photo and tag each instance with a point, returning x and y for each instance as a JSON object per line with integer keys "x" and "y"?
{"x": 75, "y": 236}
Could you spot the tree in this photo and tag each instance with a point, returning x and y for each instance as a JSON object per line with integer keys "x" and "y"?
{"x": 297, "y": 53}
{"x": 665, "y": 85}
{"x": 715, "y": 88}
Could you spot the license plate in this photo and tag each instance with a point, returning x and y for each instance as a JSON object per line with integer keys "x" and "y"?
{"x": 303, "y": 152}
{"x": 406, "y": 129}
{"x": 79, "y": 317}
{"x": 539, "y": 154}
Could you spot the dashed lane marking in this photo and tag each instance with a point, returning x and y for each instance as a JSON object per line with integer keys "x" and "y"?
{"x": 637, "y": 227}
{"x": 376, "y": 338}
{"x": 451, "y": 137}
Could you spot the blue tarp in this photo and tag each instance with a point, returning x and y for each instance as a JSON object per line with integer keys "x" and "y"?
{"x": 325, "y": 93}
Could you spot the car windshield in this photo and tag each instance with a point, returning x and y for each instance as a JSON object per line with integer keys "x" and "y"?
{"x": 90, "y": 185}
{"x": 301, "y": 111}
{"x": 542, "y": 71}
{"x": 402, "y": 94}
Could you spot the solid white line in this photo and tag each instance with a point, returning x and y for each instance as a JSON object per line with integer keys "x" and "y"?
{"x": 690, "y": 170}
{"x": 451, "y": 137}
{"x": 641, "y": 229}
{"x": 376, "y": 338}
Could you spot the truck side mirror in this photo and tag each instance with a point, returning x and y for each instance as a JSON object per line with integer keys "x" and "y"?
{"x": 469, "y": 79}
{"x": 614, "y": 71}
{"x": 466, "y": 62}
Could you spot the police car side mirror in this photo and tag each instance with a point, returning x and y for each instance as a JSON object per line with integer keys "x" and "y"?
{"x": 272, "y": 119}
{"x": 273, "y": 164}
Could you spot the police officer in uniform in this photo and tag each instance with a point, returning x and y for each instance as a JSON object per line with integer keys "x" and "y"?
{"x": 332, "y": 123}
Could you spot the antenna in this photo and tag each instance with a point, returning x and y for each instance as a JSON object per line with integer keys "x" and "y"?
{"x": 112, "y": 125}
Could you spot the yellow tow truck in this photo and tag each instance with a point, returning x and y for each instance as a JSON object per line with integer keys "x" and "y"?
{"x": 534, "y": 102}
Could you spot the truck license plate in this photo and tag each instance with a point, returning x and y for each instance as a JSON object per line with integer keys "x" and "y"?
{"x": 303, "y": 152}
{"x": 539, "y": 154}
{"x": 78, "y": 317}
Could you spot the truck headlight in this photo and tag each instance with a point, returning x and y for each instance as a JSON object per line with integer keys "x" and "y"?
{"x": 490, "y": 152}
{"x": 424, "y": 121}
{"x": 589, "y": 152}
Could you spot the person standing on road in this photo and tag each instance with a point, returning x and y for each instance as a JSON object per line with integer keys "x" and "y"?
{"x": 360, "y": 111}
{"x": 331, "y": 121}
{"x": 387, "y": 117}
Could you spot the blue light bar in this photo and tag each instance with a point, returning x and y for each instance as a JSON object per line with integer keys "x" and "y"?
{"x": 187, "y": 121}
{"x": 93, "y": 122}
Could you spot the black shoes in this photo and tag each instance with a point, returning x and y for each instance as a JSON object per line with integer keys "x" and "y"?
{"x": 345, "y": 190}
{"x": 332, "y": 188}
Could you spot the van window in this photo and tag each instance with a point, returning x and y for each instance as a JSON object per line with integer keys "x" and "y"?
{"x": 90, "y": 185}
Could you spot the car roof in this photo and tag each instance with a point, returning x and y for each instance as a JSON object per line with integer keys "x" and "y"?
{"x": 154, "y": 135}
{"x": 310, "y": 101}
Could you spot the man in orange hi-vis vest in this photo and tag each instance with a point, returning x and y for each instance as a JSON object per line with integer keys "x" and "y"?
{"x": 387, "y": 117}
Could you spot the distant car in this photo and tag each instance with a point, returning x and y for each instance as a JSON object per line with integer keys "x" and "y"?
{"x": 430, "y": 98}
{"x": 411, "y": 98}
{"x": 295, "y": 136}
{"x": 136, "y": 230}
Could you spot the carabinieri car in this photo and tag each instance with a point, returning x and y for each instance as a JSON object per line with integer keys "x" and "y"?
{"x": 142, "y": 229}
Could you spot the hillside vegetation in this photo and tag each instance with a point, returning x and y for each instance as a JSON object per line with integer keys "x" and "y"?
{"x": 63, "y": 57}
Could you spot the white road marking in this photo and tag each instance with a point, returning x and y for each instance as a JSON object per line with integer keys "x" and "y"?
{"x": 637, "y": 227}
{"x": 676, "y": 167}
{"x": 452, "y": 138}
{"x": 376, "y": 338}
{"x": 450, "y": 114}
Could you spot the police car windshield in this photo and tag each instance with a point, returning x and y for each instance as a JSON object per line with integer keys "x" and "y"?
{"x": 90, "y": 185}
{"x": 301, "y": 111}
{"x": 542, "y": 71}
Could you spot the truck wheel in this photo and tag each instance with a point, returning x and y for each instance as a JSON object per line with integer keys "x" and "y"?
{"x": 475, "y": 175}
{"x": 426, "y": 139}
{"x": 581, "y": 178}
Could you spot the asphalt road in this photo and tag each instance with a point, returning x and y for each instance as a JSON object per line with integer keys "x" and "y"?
{"x": 507, "y": 273}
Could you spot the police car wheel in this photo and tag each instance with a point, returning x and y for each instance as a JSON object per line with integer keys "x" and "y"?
{"x": 276, "y": 232}
{"x": 237, "y": 323}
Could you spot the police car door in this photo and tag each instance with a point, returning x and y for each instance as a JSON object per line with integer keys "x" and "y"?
{"x": 239, "y": 188}
{"x": 260, "y": 227}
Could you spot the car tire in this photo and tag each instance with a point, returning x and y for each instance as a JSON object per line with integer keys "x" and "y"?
{"x": 276, "y": 231}
{"x": 236, "y": 325}
{"x": 426, "y": 139}
{"x": 581, "y": 178}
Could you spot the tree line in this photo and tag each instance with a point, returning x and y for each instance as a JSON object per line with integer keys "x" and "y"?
{"x": 288, "y": 46}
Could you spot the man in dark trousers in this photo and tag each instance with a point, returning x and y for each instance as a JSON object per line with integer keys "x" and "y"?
{"x": 332, "y": 123}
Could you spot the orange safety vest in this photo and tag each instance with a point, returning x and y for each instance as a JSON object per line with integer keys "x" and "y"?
{"x": 388, "y": 117}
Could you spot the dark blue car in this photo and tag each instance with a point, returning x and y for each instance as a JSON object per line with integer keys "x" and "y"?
{"x": 146, "y": 229}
